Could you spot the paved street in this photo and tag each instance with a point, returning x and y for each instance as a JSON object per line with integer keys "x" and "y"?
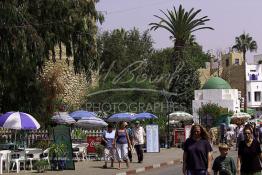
{"x": 177, "y": 168}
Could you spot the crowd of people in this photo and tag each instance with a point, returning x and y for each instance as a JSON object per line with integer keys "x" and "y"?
{"x": 197, "y": 156}
{"x": 121, "y": 142}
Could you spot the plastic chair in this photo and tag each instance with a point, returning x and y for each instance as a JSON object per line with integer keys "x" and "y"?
{"x": 18, "y": 158}
{"x": 5, "y": 156}
{"x": 35, "y": 156}
{"x": 46, "y": 155}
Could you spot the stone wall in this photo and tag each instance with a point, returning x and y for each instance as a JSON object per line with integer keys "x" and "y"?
{"x": 75, "y": 86}
{"x": 234, "y": 76}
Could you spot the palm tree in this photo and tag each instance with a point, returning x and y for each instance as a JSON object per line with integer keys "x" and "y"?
{"x": 245, "y": 43}
{"x": 181, "y": 24}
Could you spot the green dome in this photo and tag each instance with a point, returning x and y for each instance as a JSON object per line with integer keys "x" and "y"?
{"x": 216, "y": 83}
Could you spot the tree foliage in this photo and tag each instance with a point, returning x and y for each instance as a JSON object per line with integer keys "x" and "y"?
{"x": 213, "y": 110}
{"x": 245, "y": 43}
{"x": 181, "y": 24}
{"x": 33, "y": 31}
{"x": 120, "y": 49}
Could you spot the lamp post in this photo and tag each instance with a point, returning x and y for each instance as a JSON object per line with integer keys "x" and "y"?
{"x": 167, "y": 115}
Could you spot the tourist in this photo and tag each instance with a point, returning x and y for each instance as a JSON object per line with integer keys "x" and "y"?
{"x": 249, "y": 154}
{"x": 138, "y": 134}
{"x": 224, "y": 164}
{"x": 122, "y": 143}
{"x": 108, "y": 139}
{"x": 197, "y": 154}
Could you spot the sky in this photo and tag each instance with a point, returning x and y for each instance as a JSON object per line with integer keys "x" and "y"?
{"x": 229, "y": 18}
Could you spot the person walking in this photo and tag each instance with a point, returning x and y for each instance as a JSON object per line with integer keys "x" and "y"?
{"x": 138, "y": 141}
{"x": 249, "y": 154}
{"x": 122, "y": 144}
{"x": 129, "y": 131}
{"x": 108, "y": 139}
{"x": 197, "y": 154}
{"x": 224, "y": 164}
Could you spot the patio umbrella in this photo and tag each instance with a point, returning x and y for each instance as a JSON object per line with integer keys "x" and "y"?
{"x": 91, "y": 122}
{"x": 240, "y": 118}
{"x": 82, "y": 114}
{"x": 127, "y": 117}
{"x": 18, "y": 121}
{"x": 180, "y": 116}
{"x": 145, "y": 115}
{"x": 63, "y": 118}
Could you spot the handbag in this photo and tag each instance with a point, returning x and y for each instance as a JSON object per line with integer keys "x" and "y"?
{"x": 103, "y": 142}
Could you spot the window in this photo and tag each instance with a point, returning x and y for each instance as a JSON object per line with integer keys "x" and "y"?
{"x": 249, "y": 96}
{"x": 258, "y": 96}
{"x": 237, "y": 61}
{"x": 227, "y": 62}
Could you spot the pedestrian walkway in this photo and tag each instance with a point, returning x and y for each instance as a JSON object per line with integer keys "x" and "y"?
{"x": 151, "y": 160}
{"x": 91, "y": 167}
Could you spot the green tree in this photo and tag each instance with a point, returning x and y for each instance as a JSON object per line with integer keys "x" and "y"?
{"x": 244, "y": 43}
{"x": 120, "y": 49}
{"x": 181, "y": 24}
{"x": 33, "y": 31}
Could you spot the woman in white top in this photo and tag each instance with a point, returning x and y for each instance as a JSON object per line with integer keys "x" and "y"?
{"x": 108, "y": 139}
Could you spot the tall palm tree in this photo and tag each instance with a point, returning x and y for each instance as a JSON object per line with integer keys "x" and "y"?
{"x": 245, "y": 43}
{"x": 181, "y": 24}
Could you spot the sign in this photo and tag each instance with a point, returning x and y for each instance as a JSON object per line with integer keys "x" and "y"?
{"x": 61, "y": 134}
{"x": 152, "y": 139}
{"x": 179, "y": 135}
{"x": 91, "y": 141}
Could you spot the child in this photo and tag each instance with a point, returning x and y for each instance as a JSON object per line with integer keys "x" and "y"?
{"x": 223, "y": 164}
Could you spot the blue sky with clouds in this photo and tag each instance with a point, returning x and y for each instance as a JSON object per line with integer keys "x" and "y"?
{"x": 229, "y": 18}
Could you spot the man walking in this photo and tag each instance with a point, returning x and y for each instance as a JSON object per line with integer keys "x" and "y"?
{"x": 138, "y": 133}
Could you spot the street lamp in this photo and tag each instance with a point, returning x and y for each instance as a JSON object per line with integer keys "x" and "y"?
{"x": 167, "y": 114}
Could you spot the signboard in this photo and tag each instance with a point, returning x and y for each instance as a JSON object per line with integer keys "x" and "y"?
{"x": 179, "y": 135}
{"x": 61, "y": 134}
{"x": 91, "y": 141}
{"x": 152, "y": 139}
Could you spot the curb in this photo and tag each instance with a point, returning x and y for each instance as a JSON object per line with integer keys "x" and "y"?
{"x": 146, "y": 168}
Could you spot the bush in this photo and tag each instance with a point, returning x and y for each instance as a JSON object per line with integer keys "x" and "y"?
{"x": 41, "y": 166}
{"x": 99, "y": 151}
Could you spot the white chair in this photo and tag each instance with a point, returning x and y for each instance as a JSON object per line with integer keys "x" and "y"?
{"x": 46, "y": 155}
{"x": 18, "y": 158}
{"x": 5, "y": 156}
{"x": 36, "y": 153}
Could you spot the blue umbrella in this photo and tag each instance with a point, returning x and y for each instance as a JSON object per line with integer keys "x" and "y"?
{"x": 121, "y": 117}
{"x": 144, "y": 115}
{"x": 63, "y": 118}
{"x": 77, "y": 115}
{"x": 18, "y": 121}
{"x": 91, "y": 122}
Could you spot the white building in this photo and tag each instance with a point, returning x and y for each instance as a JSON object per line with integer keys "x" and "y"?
{"x": 216, "y": 91}
{"x": 254, "y": 85}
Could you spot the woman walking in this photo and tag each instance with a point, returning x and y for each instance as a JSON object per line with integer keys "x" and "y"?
{"x": 108, "y": 139}
{"x": 249, "y": 154}
{"x": 197, "y": 156}
{"x": 122, "y": 143}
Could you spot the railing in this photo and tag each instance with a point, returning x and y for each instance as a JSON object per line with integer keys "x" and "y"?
{"x": 29, "y": 137}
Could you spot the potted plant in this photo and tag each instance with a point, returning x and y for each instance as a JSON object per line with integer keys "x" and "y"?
{"x": 99, "y": 151}
{"x": 41, "y": 166}
{"x": 57, "y": 155}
